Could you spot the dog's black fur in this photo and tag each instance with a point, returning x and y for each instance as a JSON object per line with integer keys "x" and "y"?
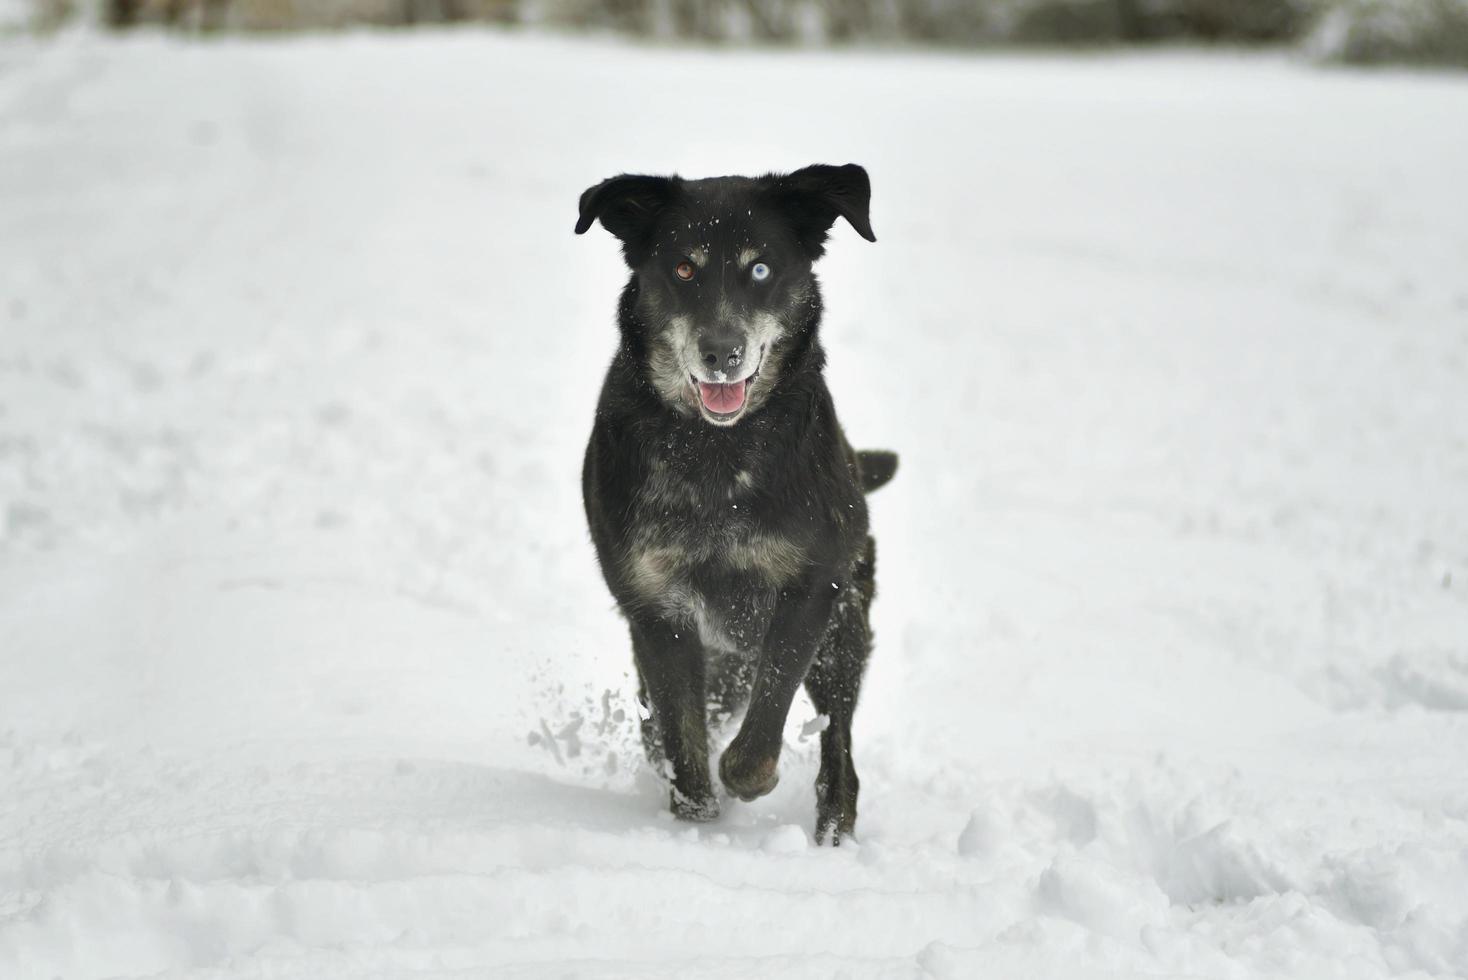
{"x": 734, "y": 540}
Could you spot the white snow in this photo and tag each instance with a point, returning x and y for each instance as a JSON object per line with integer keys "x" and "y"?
{"x": 305, "y": 666}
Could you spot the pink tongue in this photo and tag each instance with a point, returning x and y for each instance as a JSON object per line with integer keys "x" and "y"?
{"x": 722, "y": 399}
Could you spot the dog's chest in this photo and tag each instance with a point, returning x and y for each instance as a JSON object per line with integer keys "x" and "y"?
{"x": 702, "y": 513}
{"x": 703, "y": 549}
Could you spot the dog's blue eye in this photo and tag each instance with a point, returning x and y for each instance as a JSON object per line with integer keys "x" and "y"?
{"x": 760, "y": 272}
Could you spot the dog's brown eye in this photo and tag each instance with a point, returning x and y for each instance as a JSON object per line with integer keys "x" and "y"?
{"x": 684, "y": 271}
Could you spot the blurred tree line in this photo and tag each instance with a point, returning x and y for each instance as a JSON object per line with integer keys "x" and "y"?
{"x": 1360, "y": 31}
{"x": 954, "y": 22}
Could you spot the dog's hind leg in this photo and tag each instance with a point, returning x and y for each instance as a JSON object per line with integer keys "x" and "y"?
{"x": 670, "y": 667}
{"x": 833, "y": 683}
{"x": 730, "y": 676}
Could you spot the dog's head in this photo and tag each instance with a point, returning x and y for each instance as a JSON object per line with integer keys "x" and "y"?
{"x": 723, "y": 274}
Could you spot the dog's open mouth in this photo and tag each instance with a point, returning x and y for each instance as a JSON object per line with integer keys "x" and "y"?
{"x": 723, "y": 400}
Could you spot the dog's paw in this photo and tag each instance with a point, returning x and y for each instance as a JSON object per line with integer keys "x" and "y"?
{"x": 748, "y": 776}
{"x": 699, "y": 809}
{"x": 833, "y": 829}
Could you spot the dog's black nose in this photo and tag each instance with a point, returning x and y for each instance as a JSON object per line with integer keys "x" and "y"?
{"x": 721, "y": 353}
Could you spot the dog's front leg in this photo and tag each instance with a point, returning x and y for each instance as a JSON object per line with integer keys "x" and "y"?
{"x": 750, "y": 765}
{"x": 670, "y": 660}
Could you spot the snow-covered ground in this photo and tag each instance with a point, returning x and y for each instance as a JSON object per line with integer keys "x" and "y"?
{"x": 305, "y": 666}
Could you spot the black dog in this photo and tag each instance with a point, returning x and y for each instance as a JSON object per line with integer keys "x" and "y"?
{"x": 724, "y": 501}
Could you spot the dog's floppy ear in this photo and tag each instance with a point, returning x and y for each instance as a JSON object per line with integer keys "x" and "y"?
{"x": 819, "y": 194}
{"x": 626, "y": 205}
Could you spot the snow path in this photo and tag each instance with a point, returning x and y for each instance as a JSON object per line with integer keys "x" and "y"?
{"x": 297, "y": 359}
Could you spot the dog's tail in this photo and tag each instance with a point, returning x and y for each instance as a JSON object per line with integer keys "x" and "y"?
{"x": 876, "y": 467}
